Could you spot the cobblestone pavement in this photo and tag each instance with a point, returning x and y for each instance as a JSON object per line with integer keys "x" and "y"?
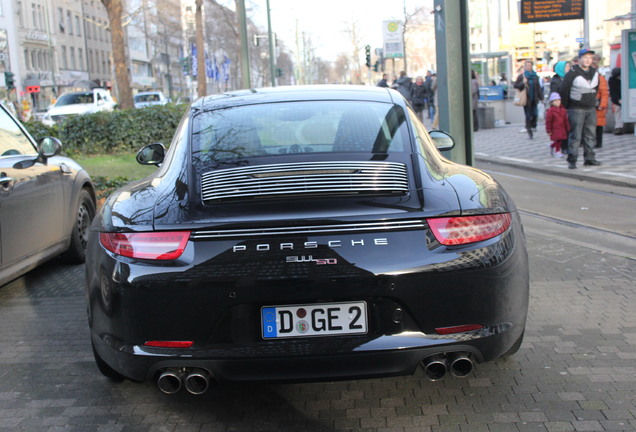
{"x": 576, "y": 370}
{"x": 507, "y": 145}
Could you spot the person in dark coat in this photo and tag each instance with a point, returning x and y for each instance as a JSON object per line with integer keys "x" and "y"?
{"x": 404, "y": 84}
{"x": 560, "y": 69}
{"x": 382, "y": 82}
{"x": 615, "y": 96}
{"x": 419, "y": 96}
{"x": 529, "y": 80}
{"x": 556, "y": 124}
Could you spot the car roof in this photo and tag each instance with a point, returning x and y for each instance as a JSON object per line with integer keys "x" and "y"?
{"x": 297, "y": 93}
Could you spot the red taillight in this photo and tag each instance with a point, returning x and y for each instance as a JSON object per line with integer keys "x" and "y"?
{"x": 468, "y": 229}
{"x": 458, "y": 329}
{"x": 169, "y": 344}
{"x": 149, "y": 245}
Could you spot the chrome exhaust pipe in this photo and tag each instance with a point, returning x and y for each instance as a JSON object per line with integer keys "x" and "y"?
{"x": 460, "y": 365}
{"x": 434, "y": 367}
{"x": 169, "y": 382}
{"x": 197, "y": 382}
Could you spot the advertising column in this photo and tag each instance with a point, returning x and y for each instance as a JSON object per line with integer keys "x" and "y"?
{"x": 628, "y": 72}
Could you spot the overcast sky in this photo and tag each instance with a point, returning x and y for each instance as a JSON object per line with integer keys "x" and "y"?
{"x": 325, "y": 20}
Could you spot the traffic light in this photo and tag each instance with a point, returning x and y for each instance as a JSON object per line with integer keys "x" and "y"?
{"x": 367, "y": 53}
{"x": 9, "y": 80}
{"x": 376, "y": 66}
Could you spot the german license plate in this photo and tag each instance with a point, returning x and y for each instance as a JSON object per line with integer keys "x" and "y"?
{"x": 314, "y": 320}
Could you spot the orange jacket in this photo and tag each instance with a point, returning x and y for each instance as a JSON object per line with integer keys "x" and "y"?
{"x": 602, "y": 97}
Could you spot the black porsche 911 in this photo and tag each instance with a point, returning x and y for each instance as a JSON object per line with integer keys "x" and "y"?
{"x": 304, "y": 234}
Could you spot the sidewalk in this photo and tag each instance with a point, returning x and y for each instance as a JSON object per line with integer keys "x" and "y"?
{"x": 507, "y": 145}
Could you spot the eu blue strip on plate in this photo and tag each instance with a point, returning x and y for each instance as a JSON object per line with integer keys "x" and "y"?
{"x": 269, "y": 322}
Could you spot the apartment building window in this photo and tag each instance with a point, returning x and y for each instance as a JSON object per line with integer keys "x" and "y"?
{"x": 104, "y": 63}
{"x": 72, "y": 54}
{"x": 69, "y": 22}
{"x": 34, "y": 62}
{"x": 88, "y": 28}
{"x": 64, "y": 62}
{"x": 78, "y": 26}
{"x": 101, "y": 31}
{"x": 40, "y": 60}
{"x": 60, "y": 17}
{"x": 18, "y": 10}
{"x": 26, "y": 59}
{"x": 40, "y": 16}
{"x": 90, "y": 60}
{"x": 80, "y": 59}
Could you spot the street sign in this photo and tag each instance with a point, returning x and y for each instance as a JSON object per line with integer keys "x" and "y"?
{"x": 392, "y": 32}
{"x": 551, "y": 10}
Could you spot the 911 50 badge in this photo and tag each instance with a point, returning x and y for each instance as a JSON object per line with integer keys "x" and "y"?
{"x": 310, "y": 258}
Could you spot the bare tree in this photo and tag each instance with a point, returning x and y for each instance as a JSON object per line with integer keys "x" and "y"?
{"x": 355, "y": 37}
{"x": 201, "y": 77}
{"x": 115, "y": 9}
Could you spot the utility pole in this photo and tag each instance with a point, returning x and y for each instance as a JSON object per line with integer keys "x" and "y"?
{"x": 453, "y": 76}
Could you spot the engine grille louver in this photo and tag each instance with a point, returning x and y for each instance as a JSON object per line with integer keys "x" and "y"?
{"x": 341, "y": 228}
{"x": 307, "y": 178}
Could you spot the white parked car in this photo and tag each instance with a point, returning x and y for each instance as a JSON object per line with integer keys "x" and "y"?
{"x": 146, "y": 99}
{"x": 78, "y": 103}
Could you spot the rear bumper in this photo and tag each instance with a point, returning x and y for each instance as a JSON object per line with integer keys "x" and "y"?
{"x": 400, "y": 357}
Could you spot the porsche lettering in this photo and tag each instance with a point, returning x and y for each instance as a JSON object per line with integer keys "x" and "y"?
{"x": 333, "y": 244}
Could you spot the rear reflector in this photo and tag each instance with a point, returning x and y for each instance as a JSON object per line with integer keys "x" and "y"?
{"x": 169, "y": 344}
{"x": 458, "y": 329}
{"x": 151, "y": 245}
{"x": 468, "y": 229}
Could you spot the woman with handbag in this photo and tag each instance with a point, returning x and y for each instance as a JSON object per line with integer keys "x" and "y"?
{"x": 528, "y": 83}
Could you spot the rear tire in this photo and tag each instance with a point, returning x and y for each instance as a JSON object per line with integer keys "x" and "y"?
{"x": 76, "y": 253}
{"x": 106, "y": 370}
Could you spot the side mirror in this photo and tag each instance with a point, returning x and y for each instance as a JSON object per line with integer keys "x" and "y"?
{"x": 442, "y": 140}
{"x": 152, "y": 154}
{"x": 49, "y": 147}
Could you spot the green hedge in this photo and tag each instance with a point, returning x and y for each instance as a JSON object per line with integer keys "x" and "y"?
{"x": 115, "y": 131}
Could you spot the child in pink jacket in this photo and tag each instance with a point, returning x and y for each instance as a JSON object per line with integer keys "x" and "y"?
{"x": 557, "y": 124}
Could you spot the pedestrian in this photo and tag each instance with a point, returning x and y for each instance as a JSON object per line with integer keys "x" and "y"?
{"x": 474, "y": 91}
{"x": 602, "y": 101}
{"x": 435, "y": 124}
{"x": 529, "y": 80}
{"x": 382, "y": 82}
{"x": 503, "y": 81}
{"x": 557, "y": 125}
{"x": 418, "y": 98}
{"x": 560, "y": 69}
{"x": 404, "y": 85}
{"x": 578, "y": 96}
{"x": 615, "y": 96}
{"x": 432, "y": 93}
{"x": 428, "y": 81}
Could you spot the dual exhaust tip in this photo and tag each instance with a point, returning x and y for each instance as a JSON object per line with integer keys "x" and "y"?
{"x": 195, "y": 381}
{"x": 459, "y": 364}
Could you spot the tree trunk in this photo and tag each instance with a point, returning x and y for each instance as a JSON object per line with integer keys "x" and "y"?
{"x": 124, "y": 91}
{"x": 201, "y": 76}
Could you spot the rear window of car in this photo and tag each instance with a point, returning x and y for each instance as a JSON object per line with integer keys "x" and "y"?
{"x": 298, "y": 127}
{"x": 147, "y": 98}
{"x": 75, "y": 98}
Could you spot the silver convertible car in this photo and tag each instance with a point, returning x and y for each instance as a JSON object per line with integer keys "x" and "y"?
{"x": 303, "y": 234}
{"x": 47, "y": 201}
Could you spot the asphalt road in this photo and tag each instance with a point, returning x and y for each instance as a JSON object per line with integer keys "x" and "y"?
{"x": 576, "y": 370}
